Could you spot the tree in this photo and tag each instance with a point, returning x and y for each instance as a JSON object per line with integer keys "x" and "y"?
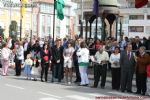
{"x": 13, "y": 30}
{"x": 1, "y": 32}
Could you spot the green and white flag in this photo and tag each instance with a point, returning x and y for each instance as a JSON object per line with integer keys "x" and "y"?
{"x": 59, "y": 5}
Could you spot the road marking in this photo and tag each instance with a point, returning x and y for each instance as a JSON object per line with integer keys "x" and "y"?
{"x": 47, "y": 94}
{"x": 77, "y": 97}
{"x": 96, "y": 94}
{"x": 48, "y": 99}
{"x": 122, "y": 94}
{"x": 17, "y": 87}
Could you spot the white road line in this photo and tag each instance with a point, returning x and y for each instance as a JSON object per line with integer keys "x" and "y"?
{"x": 47, "y": 94}
{"x": 48, "y": 99}
{"x": 122, "y": 94}
{"x": 77, "y": 97}
{"x": 96, "y": 94}
{"x": 17, "y": 87}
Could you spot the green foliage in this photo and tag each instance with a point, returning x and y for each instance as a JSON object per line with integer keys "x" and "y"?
{"x": 13, "y": 30}
{"x": 1, "y": 32}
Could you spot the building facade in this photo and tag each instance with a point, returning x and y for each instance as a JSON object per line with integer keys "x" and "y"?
{"x": 38, "y": 18}
{"x": 43, "y": 19}
{"x": 135, "y": 22}
{"x": 10, "y": 11}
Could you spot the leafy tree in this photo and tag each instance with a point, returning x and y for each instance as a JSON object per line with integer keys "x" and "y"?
{"x": 1, "y": 32}
{"x": 13, "y": 30}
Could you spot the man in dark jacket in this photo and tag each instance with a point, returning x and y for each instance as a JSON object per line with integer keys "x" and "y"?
{"x": 127, "y": 64}
{"x": 57, "y": 61}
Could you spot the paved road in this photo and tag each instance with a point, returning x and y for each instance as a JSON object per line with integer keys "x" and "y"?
{"x": 18, "y": 88}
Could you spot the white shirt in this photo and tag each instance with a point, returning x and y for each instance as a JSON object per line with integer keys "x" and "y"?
{"x": 26, "y": 46}
{"x": 20, "y": 53}
{"x": 114, "y": 58}
{"x": 6, "y": 53}
{"x": 68, "y": 53}
{"x": 83, "y": 55}
{"x": 101, "y": 56}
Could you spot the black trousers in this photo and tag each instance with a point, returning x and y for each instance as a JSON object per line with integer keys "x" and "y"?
{"x": 78, "y": 77}
{"x": 57, "y": 71}
{"x": 116, "y": 74}
{"x": 45, "y": 67}
{"x": 100, "y": 70}
{"x": 18, "y": 67}
{"x": 126, "y": 79}
{"x": 25, "y": 54}
{"x": 141, "y": 82}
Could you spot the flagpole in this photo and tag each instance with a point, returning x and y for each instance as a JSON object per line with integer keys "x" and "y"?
{"x": 81, "y": 22}
{"x": 54, "y": 22}
{"x": 20, "y": 19}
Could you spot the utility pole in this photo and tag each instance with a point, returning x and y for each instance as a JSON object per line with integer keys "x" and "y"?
{"x": 31, "y": 21}
{"x": 10, "y": 15}
{"x": 54, "y": 22}
{"x": 81, "y": 21}
{"x": 21, "y": 19}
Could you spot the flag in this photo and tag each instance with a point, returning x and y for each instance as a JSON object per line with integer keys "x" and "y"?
{"x": 140, "y": 3}
{"x": 95, "y": 7}
{"x": 23, "y": 8}
{"x": 59, "y": 5}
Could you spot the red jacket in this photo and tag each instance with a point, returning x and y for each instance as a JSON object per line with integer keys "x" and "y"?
{"x": 148, "y": 70}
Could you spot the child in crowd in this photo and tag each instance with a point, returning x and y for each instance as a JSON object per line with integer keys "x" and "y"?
{"x": 35, "y": 69}
{"x": 27, "y": 66}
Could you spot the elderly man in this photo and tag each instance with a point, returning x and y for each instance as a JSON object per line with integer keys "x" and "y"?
{"x": 142, "y": 61}
{"x": 127, "y": 64}
{"x": 100, "y": 68}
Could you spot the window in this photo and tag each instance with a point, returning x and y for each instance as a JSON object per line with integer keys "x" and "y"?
{"x": 49, "y": 24}
{"x": 148, "y": 5}
{"x": 43, "y": 24}
{"x": 136, "y": 28}
{"x": 35, "y": 23}
{"x": 67, "y": 30}
{"x": 131, "y": 4}
{"x": 67, "y": 21}
{"x": 1, "y": 12}
{"x": 27, "y": 26}
{"x": 148, "y": 29}
{"x": 148, "y": 17}
{"x": 57, "y": 30}
{"x": 45, "y": 8}
{"x": 136, "y": 17}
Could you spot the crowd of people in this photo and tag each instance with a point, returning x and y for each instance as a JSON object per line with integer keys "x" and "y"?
{"x": 38, "y": 57}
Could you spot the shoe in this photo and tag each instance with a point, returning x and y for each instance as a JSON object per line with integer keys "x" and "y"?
{"x": 137, "y": 92}
{"x": 42, "y": 81}
{"x": 52, "y": 80}
{"x": 34, "y": 79}
{"x": 86, "y": 84}
{"x": 143, "y": 93}
{"x": 81, "y": 84}
{"x": 93, "y": 86}
{"x": 129, "y": 91}
{"x": 102, "y": 87}
{"x": 77, "y": 81}
{"x": 69, "y": 83}
{"x": 122, "y": 90}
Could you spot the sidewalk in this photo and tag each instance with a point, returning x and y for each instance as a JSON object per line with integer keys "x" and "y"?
{"x": 108, "y": 78}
